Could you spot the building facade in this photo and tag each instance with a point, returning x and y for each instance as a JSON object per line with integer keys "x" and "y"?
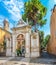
{"x": 3, "y": 34}
{"x": 22, "y": 40}
{"x": 51, "y": 47}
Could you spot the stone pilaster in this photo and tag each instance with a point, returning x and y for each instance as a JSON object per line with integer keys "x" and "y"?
{"x": 8, "y": 47}
{"x": 27, "y": 45}
{"x": 14, "y": 45}
{"x": 35, "y": 47}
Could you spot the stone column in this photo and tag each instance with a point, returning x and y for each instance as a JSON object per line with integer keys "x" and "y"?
{"x": 27, "y": 45}
{"x": 14, "y": 45}
{"x": 8, "y": 47}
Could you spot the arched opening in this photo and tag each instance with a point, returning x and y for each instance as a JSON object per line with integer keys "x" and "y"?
{"x": 20, "y": 45}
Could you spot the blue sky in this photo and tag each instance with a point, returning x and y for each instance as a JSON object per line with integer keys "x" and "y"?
{"x": 49, "y": 4}
{"x": 13, "y": 9}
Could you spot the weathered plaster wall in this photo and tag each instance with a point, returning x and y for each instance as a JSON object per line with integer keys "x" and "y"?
{"x": 51, "y": 47}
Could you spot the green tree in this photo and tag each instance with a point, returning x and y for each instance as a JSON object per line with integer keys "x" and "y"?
{"x": 43, "y": 40}
{"x": 47, "y": 38}
{"x": 34, "y": 11}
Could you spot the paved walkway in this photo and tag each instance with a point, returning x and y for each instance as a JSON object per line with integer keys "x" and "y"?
{"x": 5, "y": 59}
{"x": 47, "y": 55}
{"x": 26, "y": 61}
{"x": 35, "y": 60}
{"x": 45, "y": 59}
{"x": 29, "y": 61}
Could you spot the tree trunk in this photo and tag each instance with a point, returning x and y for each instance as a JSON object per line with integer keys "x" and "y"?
{"x": 35, "y": 25}
{"x": 34, "y": 21}
{"x": 35, "y": 29}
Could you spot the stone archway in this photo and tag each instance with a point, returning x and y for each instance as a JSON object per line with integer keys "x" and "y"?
{"x": 20, "y": 45}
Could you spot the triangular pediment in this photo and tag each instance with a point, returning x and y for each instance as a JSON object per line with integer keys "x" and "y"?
{"x": 21, "y": 23}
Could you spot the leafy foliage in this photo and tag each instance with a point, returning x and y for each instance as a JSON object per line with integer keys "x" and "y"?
{"x": 47, "y": 39}
{"x": 18, "y": 52}
{"x": 34, "y": 11}
{"x": 43, "y": 40}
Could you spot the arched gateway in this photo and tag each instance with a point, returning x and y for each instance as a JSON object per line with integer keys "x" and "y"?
{"x": 20, "y": 45}
{"x": 24, "y": 42}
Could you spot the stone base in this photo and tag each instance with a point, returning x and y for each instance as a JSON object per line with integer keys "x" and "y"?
{"x": 8, "y": 52}
{"x": 27, "y": 55}
{"x": 13, "y": 54}
{"x": 35, "y": 54}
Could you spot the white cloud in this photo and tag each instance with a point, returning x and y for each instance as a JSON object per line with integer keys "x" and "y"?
{"x": 11, "y": 25}
{"x": 15, "y": 18}
{"x": 14, "y": 7}
{"x": 54, "y": 1}
{"x": 1, "y": 20}
{"x": 19, "y": 3}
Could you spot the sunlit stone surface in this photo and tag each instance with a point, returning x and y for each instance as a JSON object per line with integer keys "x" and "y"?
{"x": 23, "y": 38}
{"x": 51, "y": 47}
